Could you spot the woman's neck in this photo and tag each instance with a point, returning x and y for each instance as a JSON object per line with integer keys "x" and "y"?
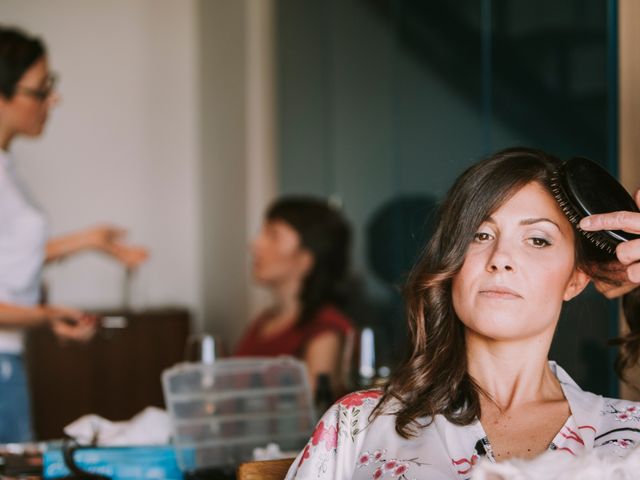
{"x": 512, "y": 373}
{"x": 5, "y": 139}
{"x": 286, "y": 307}
{"x": 286, "y": 299}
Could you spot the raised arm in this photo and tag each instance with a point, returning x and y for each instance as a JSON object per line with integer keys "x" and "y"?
{"x": 105, "y": 239}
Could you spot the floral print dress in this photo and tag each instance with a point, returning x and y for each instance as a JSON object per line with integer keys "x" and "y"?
{"x": 346, "y": 445}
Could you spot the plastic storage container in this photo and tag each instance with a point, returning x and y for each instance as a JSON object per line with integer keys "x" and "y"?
{"x": 222, "y": 411}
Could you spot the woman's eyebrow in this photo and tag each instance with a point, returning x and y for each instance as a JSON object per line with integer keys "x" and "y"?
{"x": 531, "y": 221}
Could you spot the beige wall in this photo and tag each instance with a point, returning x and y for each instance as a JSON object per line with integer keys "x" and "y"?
{"x": 629, "y": 38}
{"x": 238, "y": 125}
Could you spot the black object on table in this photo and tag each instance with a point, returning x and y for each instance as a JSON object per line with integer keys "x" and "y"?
{"x": 218, "y": 473}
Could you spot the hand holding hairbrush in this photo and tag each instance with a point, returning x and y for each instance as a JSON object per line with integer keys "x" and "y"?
{"x": 605, "y": 213}
{"x": 628, "y": 253}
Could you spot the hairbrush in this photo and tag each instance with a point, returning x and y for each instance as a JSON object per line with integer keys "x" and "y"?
{"x": 583, "y": 188}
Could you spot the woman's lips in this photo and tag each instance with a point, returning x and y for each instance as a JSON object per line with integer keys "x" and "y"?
{"x": 500, "y": 292}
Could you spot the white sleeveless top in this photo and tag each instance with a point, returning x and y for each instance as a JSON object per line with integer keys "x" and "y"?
{"x": 23, "y": 237}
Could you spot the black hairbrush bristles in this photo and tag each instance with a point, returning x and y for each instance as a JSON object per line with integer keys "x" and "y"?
{"x": 597, "y": 238}
{"x": 582, "y": 188}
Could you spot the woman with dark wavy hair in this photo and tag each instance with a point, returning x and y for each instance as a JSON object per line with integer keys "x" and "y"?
{"x": 301, "y": 255}
{"x": 483, "y": 303}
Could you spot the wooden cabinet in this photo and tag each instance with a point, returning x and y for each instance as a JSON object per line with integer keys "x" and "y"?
{"x": 115, "y": 375}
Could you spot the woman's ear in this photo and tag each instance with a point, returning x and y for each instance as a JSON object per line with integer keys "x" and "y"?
{"x": 577, "y": 283}
{"x": 306, "y": 261}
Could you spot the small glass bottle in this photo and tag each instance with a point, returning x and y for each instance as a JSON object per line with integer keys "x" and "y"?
{"x": 367, "y": 359}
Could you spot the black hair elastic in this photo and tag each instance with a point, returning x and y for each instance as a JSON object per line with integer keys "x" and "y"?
{"x": 583, "y": 188}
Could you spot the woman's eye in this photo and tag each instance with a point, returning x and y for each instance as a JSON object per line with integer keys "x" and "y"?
{"x": 539, "y": 242}
{"x": 481, "y": 237}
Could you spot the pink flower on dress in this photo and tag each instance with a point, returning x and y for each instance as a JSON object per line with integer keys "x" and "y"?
{"x": 623, "y": 443}
{"x": 400, "y": 470}
{"x": 377, "y": 473}
{"x": 327, "y": 435}
{"x": 318, "y": 433}
{"x": 330, "y": 437}
{"x": 632, "y": 409}
{"x": 377, "y": 455}
{"x": 364, "y": 459}
{"x": 390, "y": 465}
{"x": 623, "y": 417}
{"x": 305, "y": 455}
{"x": 357, "y": 399}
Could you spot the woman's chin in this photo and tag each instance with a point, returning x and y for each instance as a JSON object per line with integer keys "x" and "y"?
{"x": 34, "y": 132}
{"x": 261, "y": 279}
{"x": 501, "y": 329}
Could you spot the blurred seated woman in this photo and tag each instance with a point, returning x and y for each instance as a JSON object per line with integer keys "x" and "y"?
{"x": 301, "y": 256}
{"x": 483, "y": 303}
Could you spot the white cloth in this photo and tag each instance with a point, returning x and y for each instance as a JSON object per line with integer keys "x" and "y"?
{"x": 151, "y": 426}
{"x": 346, "y": 445}
{"x": 23, "y": 237}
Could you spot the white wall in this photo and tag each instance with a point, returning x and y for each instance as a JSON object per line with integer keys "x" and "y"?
{"x": 238, "y": 162}
{"x": 123, "y": 146}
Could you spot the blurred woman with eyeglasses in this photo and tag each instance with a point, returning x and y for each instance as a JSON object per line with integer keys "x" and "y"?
{"x": 27, "y": 93}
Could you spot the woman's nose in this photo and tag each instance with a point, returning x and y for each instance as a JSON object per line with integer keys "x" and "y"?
{"x": 255, "y": 244}
{"x": 252, "y": 246}
{"x": 53, "y": 99}
{"x": 500, "y": 260}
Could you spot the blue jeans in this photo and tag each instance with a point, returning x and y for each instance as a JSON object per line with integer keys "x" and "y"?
{"x": 15, "y": 407}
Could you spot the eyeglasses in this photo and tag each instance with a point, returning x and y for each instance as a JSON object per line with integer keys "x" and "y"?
{"x": 42, "y": 93}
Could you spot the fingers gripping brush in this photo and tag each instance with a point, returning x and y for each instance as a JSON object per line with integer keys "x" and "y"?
{"x": 582, "y": 188}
